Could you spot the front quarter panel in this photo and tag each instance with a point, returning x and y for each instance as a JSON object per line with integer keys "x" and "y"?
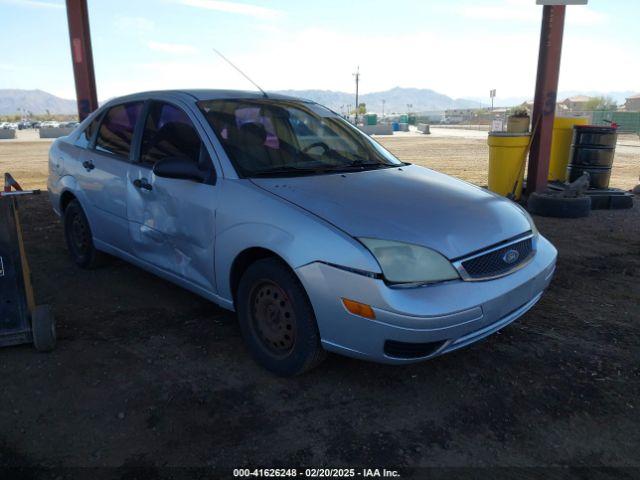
{"x": 249, "y": 217}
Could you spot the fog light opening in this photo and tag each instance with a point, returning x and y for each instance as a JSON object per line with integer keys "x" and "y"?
{"x": 357, "y": 308}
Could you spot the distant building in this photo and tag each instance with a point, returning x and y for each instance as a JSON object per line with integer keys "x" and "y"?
{"x": 632, "y": 104}
{"x": 527, "y": 105}
{"x": 575, "y": 104}
{"x": 458, "y": 115}
{"x": 481, "y": 116}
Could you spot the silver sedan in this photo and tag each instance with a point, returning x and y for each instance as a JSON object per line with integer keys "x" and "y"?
{"x": 315, "y": 235}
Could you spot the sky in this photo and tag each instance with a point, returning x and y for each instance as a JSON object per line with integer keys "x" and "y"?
{"x": 461, "y": 48}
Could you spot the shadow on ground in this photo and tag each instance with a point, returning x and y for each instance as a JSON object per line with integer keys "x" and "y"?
{"x": 147, "y": 374}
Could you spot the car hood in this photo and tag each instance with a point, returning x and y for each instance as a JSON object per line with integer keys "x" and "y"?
{"x": 410, "y": 204}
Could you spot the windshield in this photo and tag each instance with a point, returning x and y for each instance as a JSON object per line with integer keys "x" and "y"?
{"x": 267, "y": 137}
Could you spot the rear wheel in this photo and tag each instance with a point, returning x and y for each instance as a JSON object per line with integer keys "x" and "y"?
{"x": 277, "y": 320}
{"x": 79, "y": 238}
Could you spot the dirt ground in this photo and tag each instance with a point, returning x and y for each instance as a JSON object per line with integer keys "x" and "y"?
{"x": 466, "y": 155}
{"x": 149, "y": 375}
{"x": 463, "y": 154}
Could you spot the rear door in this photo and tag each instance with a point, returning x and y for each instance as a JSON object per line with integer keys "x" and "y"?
{"x": 102, "y": 174}
{"x": 172, "y": 221}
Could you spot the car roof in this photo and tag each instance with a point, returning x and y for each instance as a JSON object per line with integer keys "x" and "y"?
{"x": 207, "y": 94}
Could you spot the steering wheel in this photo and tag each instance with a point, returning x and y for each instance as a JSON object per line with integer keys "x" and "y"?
{"x": 324, "y": 146}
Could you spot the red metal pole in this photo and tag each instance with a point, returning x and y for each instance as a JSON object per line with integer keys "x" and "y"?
{"x": 81, "y": 57}
{"x": 544, "y": 104}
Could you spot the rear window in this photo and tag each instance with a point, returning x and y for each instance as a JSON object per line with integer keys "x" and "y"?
{"x": 116, "y": 132}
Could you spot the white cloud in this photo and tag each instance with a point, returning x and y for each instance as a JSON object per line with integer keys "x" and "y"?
{"x": 234, "y": 7}
{"x": 34, "y": 3}
{"x": 325, "y": 59}
{"x": 137, "y": 24}
{"x": 528, "y": 11}
{"x": 173, "y": 48}
{"x": 584, "y": 16}
{"x": 509, "y": 10}
{"x": 577, "y": 72}
{"x": 459, "y": 65}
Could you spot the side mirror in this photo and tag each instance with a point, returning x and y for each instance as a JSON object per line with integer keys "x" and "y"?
{"x": 180, "y": 168}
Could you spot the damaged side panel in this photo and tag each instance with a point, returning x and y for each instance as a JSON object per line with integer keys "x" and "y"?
{"x": 172, "y": 225}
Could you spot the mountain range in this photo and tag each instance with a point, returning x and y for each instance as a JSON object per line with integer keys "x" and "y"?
{"x": 396, "y": 100}
{"x": 13, "y": 101}
{"x": 619, "y": 97}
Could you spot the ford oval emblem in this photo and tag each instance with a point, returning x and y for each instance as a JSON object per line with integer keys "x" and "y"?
{"x": 511, "y": 256}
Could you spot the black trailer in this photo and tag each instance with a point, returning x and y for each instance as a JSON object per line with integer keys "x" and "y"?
{"x": 21, "y": 321}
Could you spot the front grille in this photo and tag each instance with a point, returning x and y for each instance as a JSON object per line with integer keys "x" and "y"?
{"x": 496, "y": 262}
{"x": 410, "y": 350}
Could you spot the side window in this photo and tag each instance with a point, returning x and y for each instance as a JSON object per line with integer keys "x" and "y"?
{"x": 84, "y": 139}
{"x": 168, "y": 132}
{"x": 116, "y": 130}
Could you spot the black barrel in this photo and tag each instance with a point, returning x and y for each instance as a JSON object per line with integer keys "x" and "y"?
{"x": 592, "y": 150}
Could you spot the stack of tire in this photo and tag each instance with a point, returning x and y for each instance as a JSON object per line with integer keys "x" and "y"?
{"x": 592, "y": 151}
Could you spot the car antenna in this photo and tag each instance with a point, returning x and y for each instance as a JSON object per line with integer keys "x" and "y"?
{"x": 241, "y": 73}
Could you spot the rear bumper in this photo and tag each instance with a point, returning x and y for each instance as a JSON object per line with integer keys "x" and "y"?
{"x": 419, "y": 323}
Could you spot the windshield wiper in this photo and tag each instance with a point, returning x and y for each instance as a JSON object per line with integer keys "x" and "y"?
{"x": 362, "y": 163}
{"x": 296, "y": 171}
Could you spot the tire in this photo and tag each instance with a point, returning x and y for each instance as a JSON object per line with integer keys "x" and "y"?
{"x": 43, "y": 327}
{"x": 276, "y": 319}
{"x": 79, "y": 237}
{"x": 553, "y": 206}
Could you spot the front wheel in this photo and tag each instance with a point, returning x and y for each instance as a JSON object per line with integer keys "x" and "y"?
{"x": 277, "y": 320}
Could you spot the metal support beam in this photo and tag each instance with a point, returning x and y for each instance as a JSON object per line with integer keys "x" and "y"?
{"x": 544, "y": 104}
{"x": 81, "y": 57}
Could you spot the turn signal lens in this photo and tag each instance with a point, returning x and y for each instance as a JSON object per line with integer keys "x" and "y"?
{"x": 358, "y": 308}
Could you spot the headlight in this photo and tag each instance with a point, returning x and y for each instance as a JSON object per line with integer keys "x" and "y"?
{"x": 407, "y": 263}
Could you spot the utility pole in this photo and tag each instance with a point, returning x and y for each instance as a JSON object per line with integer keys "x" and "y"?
{"x": 383, "y": 102}
{"x": 544, "y": 103}
{"x": 492, "y": 94}
{"x": 82, "y": 57}
{"x": 357, "y": 77}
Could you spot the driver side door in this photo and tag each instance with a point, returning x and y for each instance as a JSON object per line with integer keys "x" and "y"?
{"x": 172, "y": 221}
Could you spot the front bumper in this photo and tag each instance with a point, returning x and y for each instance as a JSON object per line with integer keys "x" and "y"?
{"x": 419, "y": 323}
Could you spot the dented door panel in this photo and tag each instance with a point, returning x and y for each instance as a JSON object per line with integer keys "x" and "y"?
{"x": 172, "y": 225}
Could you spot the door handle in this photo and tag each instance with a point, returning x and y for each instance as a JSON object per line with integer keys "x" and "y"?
{"x": 88, "y": 165}
{"x": 142, "y": 183}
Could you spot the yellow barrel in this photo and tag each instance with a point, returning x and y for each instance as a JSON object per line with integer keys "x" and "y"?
{"x": 561, "y": 145}
{"x": 507, "y": 156}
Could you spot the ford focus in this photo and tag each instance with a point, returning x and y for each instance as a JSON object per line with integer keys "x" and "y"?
{"x": 282, "y": 211}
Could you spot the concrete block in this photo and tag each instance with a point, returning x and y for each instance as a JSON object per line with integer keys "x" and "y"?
{"x": 379, "y": 129}
{"x": 424, "y": 128}
{"x": 55, "y": 132}
{"x": 6, "y": 134}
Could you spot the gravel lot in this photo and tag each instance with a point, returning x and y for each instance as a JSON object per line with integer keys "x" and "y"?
{"x": 147, "y": 374}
